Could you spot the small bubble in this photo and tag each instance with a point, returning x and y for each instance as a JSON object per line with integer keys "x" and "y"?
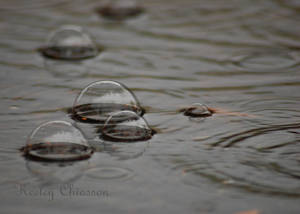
{"x": 57, "y": 141}
{"x": 197, "y": 110}
{"x": 132, "y": 128}
{"x": 69, "y": 43}
{"x": 101, "y": 99}
{"x": 120, "y": 9}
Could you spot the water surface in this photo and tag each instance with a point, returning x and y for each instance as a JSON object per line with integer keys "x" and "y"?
{"x": 240, "y": 56}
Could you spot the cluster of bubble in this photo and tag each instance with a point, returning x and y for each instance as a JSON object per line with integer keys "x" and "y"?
{"x": 112, "y": 105}
{"x": 71, "y": 43}
{"x": 107, "y": 103}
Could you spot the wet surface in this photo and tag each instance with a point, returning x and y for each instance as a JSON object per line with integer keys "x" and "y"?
{"x": 242, "y": 56}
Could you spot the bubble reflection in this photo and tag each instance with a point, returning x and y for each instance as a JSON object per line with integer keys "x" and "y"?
{"x": 51, "y": 173}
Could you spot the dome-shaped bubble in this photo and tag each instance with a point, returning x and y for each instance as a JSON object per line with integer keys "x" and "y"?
{"x": 132, "y": 128}
{"x": 69, "y": 43}
{"x": 197, "y": 110}
{"x": 120, "y": 9}
{"x": 101, "y": 99}
{"x": 57, "y": 141}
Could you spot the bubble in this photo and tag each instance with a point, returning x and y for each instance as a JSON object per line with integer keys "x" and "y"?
{"x": 69, "y": 43}
{"x": 197, "y": 110}
{"x": 120, "y": 9}
{"x": 132, "y": 128}
{"x": 101, "y": 99}
{"x": 57, "y": 141}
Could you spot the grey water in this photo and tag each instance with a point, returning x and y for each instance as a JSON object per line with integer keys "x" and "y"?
{"x": 239, "y": 56}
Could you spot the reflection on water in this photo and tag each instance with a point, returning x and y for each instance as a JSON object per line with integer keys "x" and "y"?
{"x": 56, "y": 173}
{"x": 242, "y": 56}
{"x": 125, "y": 151}
{"x": 109, "y": 173}
{"x": 67, "y": 69}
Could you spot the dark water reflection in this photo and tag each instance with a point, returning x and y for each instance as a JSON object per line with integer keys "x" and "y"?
{"x": 239, "y": 56}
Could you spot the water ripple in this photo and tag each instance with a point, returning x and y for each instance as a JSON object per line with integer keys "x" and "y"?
{"x": 109, "y": 173}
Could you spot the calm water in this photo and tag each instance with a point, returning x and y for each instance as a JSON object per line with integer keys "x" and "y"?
{"x": 239, "y": 55}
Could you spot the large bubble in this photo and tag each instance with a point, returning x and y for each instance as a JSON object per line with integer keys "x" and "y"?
{"x": 57, "y": 141}
{"x": 101, "y": 99}
{"x": 69, "y": 43}
{"x": 132, "y": 128}
{"x": 120, "y": 9}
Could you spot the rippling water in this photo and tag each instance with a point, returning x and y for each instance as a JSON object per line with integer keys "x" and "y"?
{"x": 237, "y": 56}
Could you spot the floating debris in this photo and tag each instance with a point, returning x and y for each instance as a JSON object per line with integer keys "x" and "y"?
{"x": 120, "y": 10}
{"x": 197, "y": 110}
{"x": 132, "y": 128}
{"x": 101, "y": 99}
{"x": 57, "y": 141}
{"x": 69, "y": 43}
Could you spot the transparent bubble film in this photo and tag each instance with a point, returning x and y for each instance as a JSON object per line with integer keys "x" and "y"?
{"x": 197, "y": 110}
{"x": 69, "y": 43}
{"x": 57, "y": 141}
{"x": 120, "y": 9}
{"x": 132, "y": 128}
{"x": 101, "y": 99}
